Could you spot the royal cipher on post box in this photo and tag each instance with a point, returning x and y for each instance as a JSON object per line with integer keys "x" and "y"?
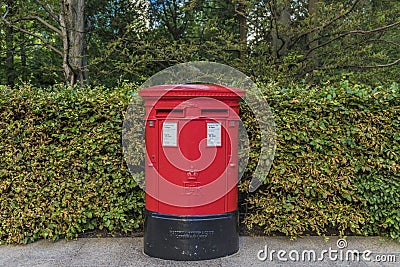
{"x": 191, "y": 171}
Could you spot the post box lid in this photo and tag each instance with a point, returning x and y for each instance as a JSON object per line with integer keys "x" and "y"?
{"x": 189, "y": 90}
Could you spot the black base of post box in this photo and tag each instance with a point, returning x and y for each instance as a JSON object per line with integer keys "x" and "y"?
{"x": 190, "y": 237}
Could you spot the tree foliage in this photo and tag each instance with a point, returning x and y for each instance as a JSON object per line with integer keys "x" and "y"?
{"x": 285, "y": 41}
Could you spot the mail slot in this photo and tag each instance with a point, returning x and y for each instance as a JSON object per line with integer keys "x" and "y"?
{"x": 191, "y": 171}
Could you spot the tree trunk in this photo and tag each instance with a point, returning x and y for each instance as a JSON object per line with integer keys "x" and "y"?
{"x": 10, "y": 68}
{"x": 312, "y": 36}
{"x": 242, "y": 29}
{"x": 72, "y": 21}
{"x": 280, "y": 25}
{"x": 24, "y": 67}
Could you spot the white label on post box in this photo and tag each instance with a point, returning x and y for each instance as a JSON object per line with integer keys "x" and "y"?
{"x": 213, "y": 134}
{"x": 169, "y": 134}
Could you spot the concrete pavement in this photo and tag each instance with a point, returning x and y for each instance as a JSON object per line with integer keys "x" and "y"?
{"x": 254, "y": 251}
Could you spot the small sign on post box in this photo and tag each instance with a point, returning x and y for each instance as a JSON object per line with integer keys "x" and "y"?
{"x": 213, "y": 134}
{"x": 169, "y": 133}
{"x": 191, "y": 171}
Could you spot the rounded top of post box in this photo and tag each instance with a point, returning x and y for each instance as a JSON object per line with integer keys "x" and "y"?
{"x": 190, "y": 90}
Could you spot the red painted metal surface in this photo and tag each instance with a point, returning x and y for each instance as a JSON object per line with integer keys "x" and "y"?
{"x": 191, "y": 143}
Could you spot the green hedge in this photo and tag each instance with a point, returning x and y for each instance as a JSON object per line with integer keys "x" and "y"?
{"x": 61, "y": 167}
{"x": 336, "y": 167}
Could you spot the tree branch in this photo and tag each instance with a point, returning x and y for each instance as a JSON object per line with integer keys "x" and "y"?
{"x": 45, "y": 23}
{"x": 351, "y": 32}
{"x": 49, "y": 10}
{"x": 330, "y": 67}
{"x": 384, "y": 41}
{"x": 6, "y": 13}
{"x": 325, "y": 25}
{"x": 377, "y": 66}
{"x": 376, "y": 29}
{"x": 34, "y": 35}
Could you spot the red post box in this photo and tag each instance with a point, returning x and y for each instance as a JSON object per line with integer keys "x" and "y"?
{"x": 191, "y": 171}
